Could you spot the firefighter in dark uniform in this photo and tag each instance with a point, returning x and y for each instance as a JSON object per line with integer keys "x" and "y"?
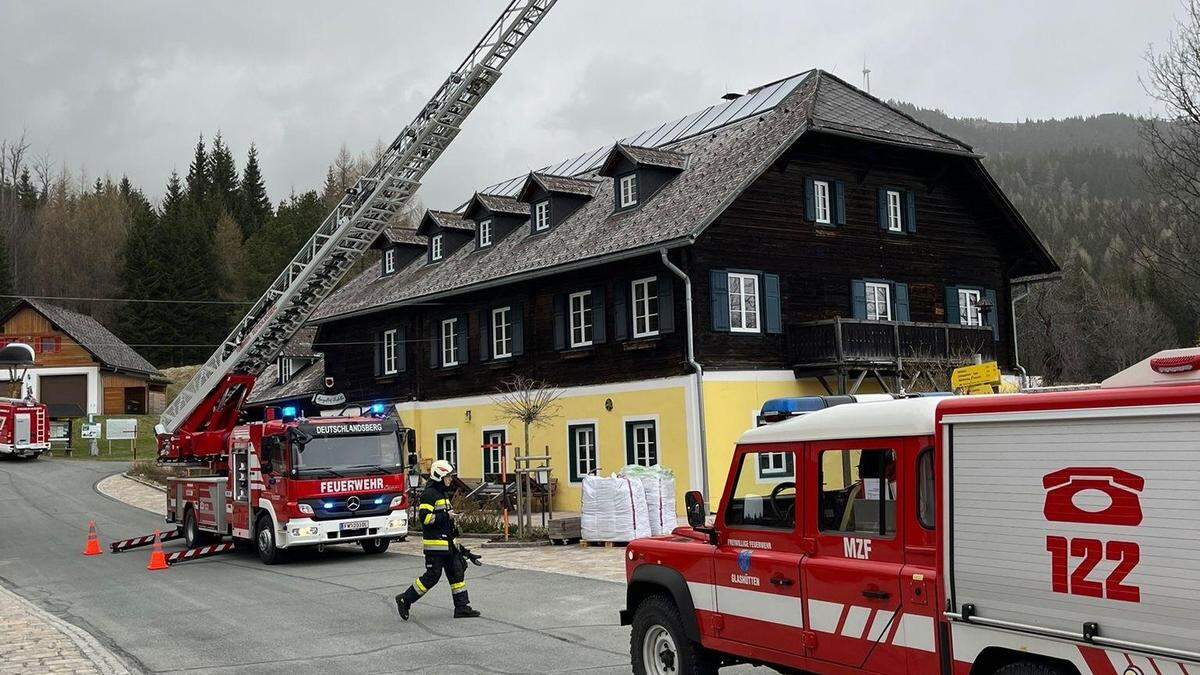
{"x": 437, "y": 533}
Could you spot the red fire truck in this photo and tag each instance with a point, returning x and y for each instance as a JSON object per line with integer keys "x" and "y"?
{"x": 288, "y": 482}
{"x": 1022, "y": 534}
{"x": 24, "y": 428}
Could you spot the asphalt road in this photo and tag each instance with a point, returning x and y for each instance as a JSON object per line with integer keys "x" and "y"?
{"x": 325, "y": 612}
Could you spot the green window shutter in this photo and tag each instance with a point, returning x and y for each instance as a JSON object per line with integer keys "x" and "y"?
{"x": 810, "y": 200}
{"x": 435, "y": 344}
{"x": 460, "y": 336}
{"x": 572, "y": 455}
{"x": 858, "y": 298}
{"x": 910, "y": 212}
{"x": 598, "y": 319}
{"x": 952, "y": 311}
{"x": 994, "y": 316}
{"x": 629, "y": 442}
{"x": 560, "y": 321}
{"x": 666, "y": 303}
{"x": 718, "y": 290}
{"x": 485, "y": 334}
{"x": 378, "y": 354}
{"x": 882, "y": 209}
{"x": 517, "y": 316}
{"x": 839, "y": 202}
{"x": 900, "y": 296}
{"x": 771, "y": 303}
{"x": 621, "y": 317}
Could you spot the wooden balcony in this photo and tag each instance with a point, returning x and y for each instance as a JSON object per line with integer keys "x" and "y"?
{"x": 888, "y": 351}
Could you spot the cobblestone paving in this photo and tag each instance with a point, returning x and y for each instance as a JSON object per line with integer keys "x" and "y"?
{"x": 35, "y": 641}
{"x": 605, "y": 564}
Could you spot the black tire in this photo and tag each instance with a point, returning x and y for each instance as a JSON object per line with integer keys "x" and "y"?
{"x": 375, "y": 546}
{"x": 1030, "y": 668}
{"x": 192, "y": 535}
{"x": 264, "y": 539}
{"x": 657, "y": 626}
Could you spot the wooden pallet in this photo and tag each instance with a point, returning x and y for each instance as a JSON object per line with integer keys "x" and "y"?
{"x": 603, "y": 544}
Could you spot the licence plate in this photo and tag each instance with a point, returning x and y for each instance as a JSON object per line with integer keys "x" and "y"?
{"x": 354, "y": 525}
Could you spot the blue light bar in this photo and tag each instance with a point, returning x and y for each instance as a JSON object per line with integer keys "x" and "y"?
{"x": 289, "y": 412}
{"x": 377, "y": 408}
{"x": 327, "y": 505}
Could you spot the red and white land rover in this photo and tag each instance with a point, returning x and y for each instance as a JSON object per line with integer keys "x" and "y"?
{"x": 1038, "y": 534}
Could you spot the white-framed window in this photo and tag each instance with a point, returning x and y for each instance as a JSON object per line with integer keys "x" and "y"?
{"x": 435, "y": 247}
{"x": 389, "y": 261}
{"x": 968, "y": 307}
{"x": 485, "y": 232}
{"x": 541, "y": 216}
{"x": 287, "y": 368}
{"x": 645, "y": 307}
{"x": 581, "y": 318}
{"x": 641, "y": 437}
{"x": 493, "y": 446}
{"x": 447, "y": 447}
{"x": 743, "y": 303}
{"x": 584, "y": 455}
{"x": 879, "y": 301}
{"x": 628, "y": 186}
{"x": 895, "y": 221}
{"x": 773, "y": 465}
{"x": 821, "y": 201}
{"x": 450, "y": 342}
{"x": 501, "y": 332}
{"x": 389, "y": 352}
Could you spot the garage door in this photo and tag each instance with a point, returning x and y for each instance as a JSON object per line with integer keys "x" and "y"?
{"x": 64, "y": 392}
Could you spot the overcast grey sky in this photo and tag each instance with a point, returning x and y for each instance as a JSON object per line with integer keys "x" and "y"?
{"x": 126, "y": 86}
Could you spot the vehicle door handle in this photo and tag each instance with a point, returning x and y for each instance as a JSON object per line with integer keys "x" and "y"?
{"x": 782, "y": 581}
{"x": 876, "y": 595}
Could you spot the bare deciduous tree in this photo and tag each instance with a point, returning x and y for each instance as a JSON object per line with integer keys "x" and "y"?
{"x": 528, "y": 402}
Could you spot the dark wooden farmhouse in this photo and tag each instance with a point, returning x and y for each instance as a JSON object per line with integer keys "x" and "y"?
{"x": 802, "y": 238}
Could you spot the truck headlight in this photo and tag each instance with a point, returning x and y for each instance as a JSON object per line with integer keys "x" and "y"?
{"x": 397, "y": 523}
{"x": 306, "y": 509}
{"x": 397, "y": 502}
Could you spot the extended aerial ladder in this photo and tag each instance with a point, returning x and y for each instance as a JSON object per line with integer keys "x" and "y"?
{"x": 194, "y": 426}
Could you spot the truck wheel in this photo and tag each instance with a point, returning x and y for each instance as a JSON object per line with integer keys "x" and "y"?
{"x": 264, "y": 537}
{"x": 659, "y": 645}
{"x": 375, "y": 545}
{"x": 192, "y": 536}
{"x": 1029, "y": 668}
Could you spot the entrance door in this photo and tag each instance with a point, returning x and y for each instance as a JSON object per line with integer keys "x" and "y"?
{"x": 852, "y": 578}
{"x": 757, "y": 562}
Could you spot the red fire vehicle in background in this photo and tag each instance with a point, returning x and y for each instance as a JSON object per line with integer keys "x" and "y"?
{"x": 24, "y": 423}
{"x": 1023, "y": 534}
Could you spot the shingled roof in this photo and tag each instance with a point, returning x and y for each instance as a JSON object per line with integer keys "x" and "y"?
{"x": 446, "y": 220}
{"x": 305, "y": 381}
{"x": 723, "y": 159}
{"x": 88, "y": 333}
{"x": 560, "y": 184}
{"x": 644, "y": 156}
{"x": 496, "y": 204}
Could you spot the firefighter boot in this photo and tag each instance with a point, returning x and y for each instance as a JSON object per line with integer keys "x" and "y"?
{"x": 462, "y": 604}
{"x": 403, "y": 605}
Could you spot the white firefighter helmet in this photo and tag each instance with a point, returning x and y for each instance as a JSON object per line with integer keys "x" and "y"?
{"x": 440, "y": 469}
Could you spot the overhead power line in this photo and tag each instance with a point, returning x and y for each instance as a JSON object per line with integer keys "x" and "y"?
{"x": 145, "y": 300}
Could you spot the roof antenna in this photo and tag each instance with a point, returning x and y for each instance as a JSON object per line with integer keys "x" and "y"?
{"x": 866, "y": 72}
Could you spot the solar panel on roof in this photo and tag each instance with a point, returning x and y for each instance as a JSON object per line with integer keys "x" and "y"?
{"x": 761, "y": 100}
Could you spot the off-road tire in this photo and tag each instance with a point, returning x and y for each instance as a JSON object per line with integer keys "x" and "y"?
{"x": 264, "y": 541}
{"x": 660, "y": 611}
{"x": 1030, "y": 668}
{"x": 192, "y": 535}
{"x": 375, "y": 546}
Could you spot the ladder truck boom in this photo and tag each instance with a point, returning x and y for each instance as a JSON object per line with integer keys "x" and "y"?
{"x": 208, "y": 404}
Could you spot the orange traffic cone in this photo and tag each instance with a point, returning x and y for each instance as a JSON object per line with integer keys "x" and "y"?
{"x": 93, "y": 544}
{"x": 158, "y": 561}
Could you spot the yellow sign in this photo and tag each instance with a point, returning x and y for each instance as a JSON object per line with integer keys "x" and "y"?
{"x": 969, "y": 377}
{"x": 981, "y": 389}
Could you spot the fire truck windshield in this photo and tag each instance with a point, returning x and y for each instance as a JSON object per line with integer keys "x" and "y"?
{"x": 342, "y": 454}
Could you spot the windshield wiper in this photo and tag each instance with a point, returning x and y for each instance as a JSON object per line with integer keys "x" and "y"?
{"x": 374, "y": 467}
{"x": 323, "y": 468}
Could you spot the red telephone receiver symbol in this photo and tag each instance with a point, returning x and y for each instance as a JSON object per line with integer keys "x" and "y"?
{"x": 1121, "y": 487}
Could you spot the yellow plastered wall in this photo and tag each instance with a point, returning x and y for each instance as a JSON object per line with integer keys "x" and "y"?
{"x": 665, "y": 404}
{"x": 730, "y": 408}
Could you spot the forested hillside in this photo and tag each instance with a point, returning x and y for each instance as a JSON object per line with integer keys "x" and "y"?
{"x": 1081, "y": 184}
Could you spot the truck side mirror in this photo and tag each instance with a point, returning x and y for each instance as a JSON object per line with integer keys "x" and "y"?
{"x": 693, "y": 503}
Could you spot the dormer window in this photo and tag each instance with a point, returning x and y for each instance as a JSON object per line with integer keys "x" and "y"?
{"x": 541, "y": 216}
{"x": 627, "y": 188}
{"x": 485, "y": 232}
{"x": 435, "y": 247}
{"x": 389, "y": 261}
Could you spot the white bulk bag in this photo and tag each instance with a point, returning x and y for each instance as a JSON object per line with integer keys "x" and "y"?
{"x": 614, "y": 509}
{"x": 660, "y": 503}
